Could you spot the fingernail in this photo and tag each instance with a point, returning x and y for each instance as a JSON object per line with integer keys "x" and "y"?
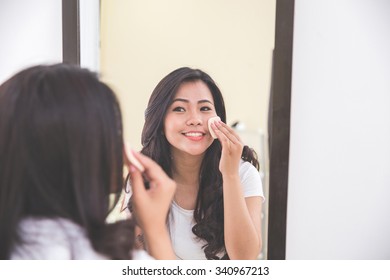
{"x": 132, "y": 169}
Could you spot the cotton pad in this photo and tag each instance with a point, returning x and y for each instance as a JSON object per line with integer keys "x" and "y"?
{"x": 132, "y": 159}
{"x": 212, "y": 120}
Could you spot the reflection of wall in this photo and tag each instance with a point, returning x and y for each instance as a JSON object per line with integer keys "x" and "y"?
{"x": 143, "y": 40}
{"x": 30, "y": 33}
{"x": 339, "y": 179}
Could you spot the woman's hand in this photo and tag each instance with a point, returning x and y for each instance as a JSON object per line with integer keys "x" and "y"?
{"x": 232, "y": 147}
{"x": 151, "y": 206}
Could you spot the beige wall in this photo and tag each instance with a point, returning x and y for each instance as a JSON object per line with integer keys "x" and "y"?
{"x": 232, "y": 40}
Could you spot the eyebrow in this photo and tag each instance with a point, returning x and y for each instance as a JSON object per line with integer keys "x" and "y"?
{"x": 187, "y": 101}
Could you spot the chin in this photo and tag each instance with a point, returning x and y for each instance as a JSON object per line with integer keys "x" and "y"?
{"x": 193, "y": 151}
{"x": 197, "y": 153}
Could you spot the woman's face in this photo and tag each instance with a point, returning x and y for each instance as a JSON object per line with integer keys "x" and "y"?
{"x": 185, "y": 124}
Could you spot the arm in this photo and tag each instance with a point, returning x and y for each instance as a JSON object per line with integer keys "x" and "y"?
{"x": 242, "y": 216}
{"x": 242, "y": 222}
{"x": 151, "y": 206}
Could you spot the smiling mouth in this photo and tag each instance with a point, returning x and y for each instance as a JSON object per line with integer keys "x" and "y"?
{"x": 193, "y": 134}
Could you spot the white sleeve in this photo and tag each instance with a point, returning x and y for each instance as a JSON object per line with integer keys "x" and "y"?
{"x": 250, "y": 180}
{"x": 141, "y": 255}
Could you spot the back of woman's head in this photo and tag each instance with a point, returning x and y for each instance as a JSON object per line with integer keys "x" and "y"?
{"x": 60, "y": 150}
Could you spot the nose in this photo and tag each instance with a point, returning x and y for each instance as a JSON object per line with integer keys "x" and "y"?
{"x": 194, "y": 119}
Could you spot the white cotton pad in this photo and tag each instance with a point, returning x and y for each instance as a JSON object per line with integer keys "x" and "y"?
{"x": 132, "y": 159}
{"x": 212, "y": 120}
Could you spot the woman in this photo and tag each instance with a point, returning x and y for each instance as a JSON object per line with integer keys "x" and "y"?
{"x": 216, "y": 212}
{"x": 60, "y": 159}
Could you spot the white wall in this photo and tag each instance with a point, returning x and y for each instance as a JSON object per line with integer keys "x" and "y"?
{"x": 339, "y": 172}
{"x": 144, "y": 40}
{"x": 90, "y": 34}
{"x": 30, "y": 33}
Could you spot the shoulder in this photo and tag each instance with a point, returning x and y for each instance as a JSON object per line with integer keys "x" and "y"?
{"x": 61, "y": 239}
{"x": 250, "y": 179}
{"x": 247, "y": 170}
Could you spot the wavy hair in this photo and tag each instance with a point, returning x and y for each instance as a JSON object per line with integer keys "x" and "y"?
{"x": 208, "y": 213}
{"x": 61, "y": 155}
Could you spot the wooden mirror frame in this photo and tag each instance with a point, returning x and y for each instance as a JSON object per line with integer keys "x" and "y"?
{"x": 279, "y": 129}
{"x": 279, "y": 111}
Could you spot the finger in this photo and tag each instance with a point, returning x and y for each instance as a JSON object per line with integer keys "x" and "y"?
{"x": 126, "y": 149}
{"x": 220, "y": 135}
{"x": 153, "y": 170}
{"x": 224, "y": 137}
{"x": 130, "y": 159}
{"x": 228, "y": 132}
{"x": 137, "y": 182}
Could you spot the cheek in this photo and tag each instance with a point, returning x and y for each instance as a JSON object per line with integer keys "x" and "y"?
{"x": 169, "y": 125}
{"x": 169, "y": 134}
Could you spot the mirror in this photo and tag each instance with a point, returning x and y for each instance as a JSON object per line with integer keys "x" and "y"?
{"x": 281, "y": 76}
{"x": 142, "y": 41}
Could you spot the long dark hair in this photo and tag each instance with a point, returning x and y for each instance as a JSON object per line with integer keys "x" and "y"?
{"x": 208, "y": 214}
{"x": 61, "y": 155}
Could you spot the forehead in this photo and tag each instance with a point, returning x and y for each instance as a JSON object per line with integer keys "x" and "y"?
{"x": 194, "y": 90}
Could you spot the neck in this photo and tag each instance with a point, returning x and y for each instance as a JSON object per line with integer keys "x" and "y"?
{"x": 185, "y": 172}
{"x": 186, "y": 168}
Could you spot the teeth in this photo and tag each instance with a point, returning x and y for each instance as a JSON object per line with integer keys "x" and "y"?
{"x": 194, "y": 134}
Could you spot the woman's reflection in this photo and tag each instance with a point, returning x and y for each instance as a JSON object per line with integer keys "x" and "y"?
{"x": 216, "y": 212}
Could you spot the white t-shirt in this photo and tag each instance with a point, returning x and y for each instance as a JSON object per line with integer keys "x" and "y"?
{"x": 58, "y": 239}
{"x": 185, "y": 244}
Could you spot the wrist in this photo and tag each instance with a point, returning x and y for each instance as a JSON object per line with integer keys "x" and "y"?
{"x": 155, "y": 230}
{"x": 231, "y": 176}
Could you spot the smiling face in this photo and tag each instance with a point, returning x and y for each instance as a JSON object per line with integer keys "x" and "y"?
{"x": 185, "y": 124}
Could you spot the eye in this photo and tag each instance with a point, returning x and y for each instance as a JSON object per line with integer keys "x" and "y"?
{"x": 206, "y": 108}
{"x": 178, "y": 109}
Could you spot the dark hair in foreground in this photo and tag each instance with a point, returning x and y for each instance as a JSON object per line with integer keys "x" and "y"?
{"x": 61, "y": 155}
{"x": 208, "y": 214}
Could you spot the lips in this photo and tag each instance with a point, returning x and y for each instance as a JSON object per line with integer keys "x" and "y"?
{"x": 193, "y": 134}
